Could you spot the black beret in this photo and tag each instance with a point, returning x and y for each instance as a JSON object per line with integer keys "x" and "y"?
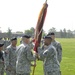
{"x": 52, "y": 33}
{"x": 1, "y": 44}
{"x": 26, "y": 36}
{"x": 13, "y": 38}
{"x": 45, "y": 37}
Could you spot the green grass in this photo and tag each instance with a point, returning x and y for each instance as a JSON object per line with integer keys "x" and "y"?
{"x": 68, "y": 60}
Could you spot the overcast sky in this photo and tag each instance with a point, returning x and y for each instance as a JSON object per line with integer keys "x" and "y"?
{"x": 20, "y": 15}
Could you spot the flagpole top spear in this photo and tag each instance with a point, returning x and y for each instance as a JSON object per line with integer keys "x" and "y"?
{"x": 46, "y": 1}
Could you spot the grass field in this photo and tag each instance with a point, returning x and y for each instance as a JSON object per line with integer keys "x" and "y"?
{"x": 68, "y": 60}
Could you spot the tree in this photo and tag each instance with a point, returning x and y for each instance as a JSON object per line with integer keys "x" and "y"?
{"x": 64, "y": 33}
{"x": 43, "y": 33}
{"x": 61, "y": 33}
{"x": 9, "y": 33}
{"x": 19, "y": 32}
{"x": 0, "y": 30}
{"x": 69, "y": 34}
{"x": 30, "y": 31}
{"x": 52, "y": 30}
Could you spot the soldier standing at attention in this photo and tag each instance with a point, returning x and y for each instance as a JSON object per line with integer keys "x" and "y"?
{"x": 57, "y": 45}
{"x": 1, "y": 59}
{"x": 6, "y": 43}
{"x": 10, "y": 60}
{"x": 24, "y": 57}
{"x": 2, "y": 41}
{"x": 49, "y": 58}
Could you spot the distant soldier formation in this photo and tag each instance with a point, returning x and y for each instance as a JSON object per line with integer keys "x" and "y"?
{"x": 17, "y": 60}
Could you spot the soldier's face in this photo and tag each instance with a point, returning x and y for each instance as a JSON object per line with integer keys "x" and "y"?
{"x": 14, "y": 42}
{"x": 1, "y": 48}
{"x": 47, "y": 41}
{"x": 53, "y": 37}
{"x": 26, "y": 40}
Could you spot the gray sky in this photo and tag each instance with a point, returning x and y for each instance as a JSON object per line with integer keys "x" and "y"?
{"x": 20, "y": 15}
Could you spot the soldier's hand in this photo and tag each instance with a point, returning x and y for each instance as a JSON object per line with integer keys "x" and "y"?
{"x": 34, "y": 64}
{"x": 8, "y": 69}
{"x": 6, "y": 51}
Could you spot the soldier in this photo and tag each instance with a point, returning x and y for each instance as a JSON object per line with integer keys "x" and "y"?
{"x": 24, "y": 57}
{"x": 10, "y": 60}
{"x": 49, "y": 57}
{"x": 6, "y": 43}
{"x": 1, "y": 59}
{"x": 57, "y": 45}
{"x": 2, "y": 41}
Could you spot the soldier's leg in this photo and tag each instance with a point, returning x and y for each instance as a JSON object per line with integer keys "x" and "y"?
{"x": 24, "y": 74}
{"x": 44, "y": 71}
{"x": 13, "y": 73}
{"x": 18, "y": 74}
{"x": 54, "y": 73}
{"x": 7, "y": 73}
{"x": 2, "y": 71}
{"x": 57, "y": 73}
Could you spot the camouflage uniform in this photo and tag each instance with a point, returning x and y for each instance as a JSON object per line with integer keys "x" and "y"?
{"x": 23, "y": 74}
{"x": 24, "y": 58}
{"x": 1, "y": 63}
{"x": 10, "y": 60}
{"x": 49, "y": 57}
{"x": 6, "y": 43}
{"x": 2, "y": 71}
{"x": 58, "y": 47}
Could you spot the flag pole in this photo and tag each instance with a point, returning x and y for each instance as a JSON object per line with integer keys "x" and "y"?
{"x": 39, "y": 25}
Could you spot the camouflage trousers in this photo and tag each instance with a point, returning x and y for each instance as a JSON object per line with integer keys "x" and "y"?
{"x": 10, "y": 72}
{"x": 24, "y": 74}
{"x": 2, "y": 71}
{"x": 7, "y": 73}
{"x": 53, "y": 73}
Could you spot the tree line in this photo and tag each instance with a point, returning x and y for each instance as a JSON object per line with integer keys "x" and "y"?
{"x": 63, "y": 33}
{"x": 60, "y": 34}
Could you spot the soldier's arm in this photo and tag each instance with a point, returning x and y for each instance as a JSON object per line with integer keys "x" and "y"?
{"x": 45, "y": 53}
{"x": 1, "y": 61}
{"x": 7, "y": 54}
{"x": 40, "y": 53}
{"x": 59, "y": 49}
{"x": 1, "y": 57}
{"x": 30, "y": 55}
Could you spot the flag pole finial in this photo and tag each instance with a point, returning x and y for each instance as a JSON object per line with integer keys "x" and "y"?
{"x": 46, "y": 1}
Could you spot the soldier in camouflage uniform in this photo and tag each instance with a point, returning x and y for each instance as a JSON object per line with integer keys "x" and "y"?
{"x": 10, "y": 60}
{"x": 24, "y": 57}
{"x": 1, "y": 59}
{"x": 57, "y": 45}
{"x": 49, "y": 57}
{"x": 6, "y": 43}
{"x": 2, "y": 41}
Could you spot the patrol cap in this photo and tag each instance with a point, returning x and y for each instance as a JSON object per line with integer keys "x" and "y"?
{"x": 51, "y": 33}
{"x": 26, "y": 36}
{"x": 47, "y": 37}
{"x": 13, "y": 38}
